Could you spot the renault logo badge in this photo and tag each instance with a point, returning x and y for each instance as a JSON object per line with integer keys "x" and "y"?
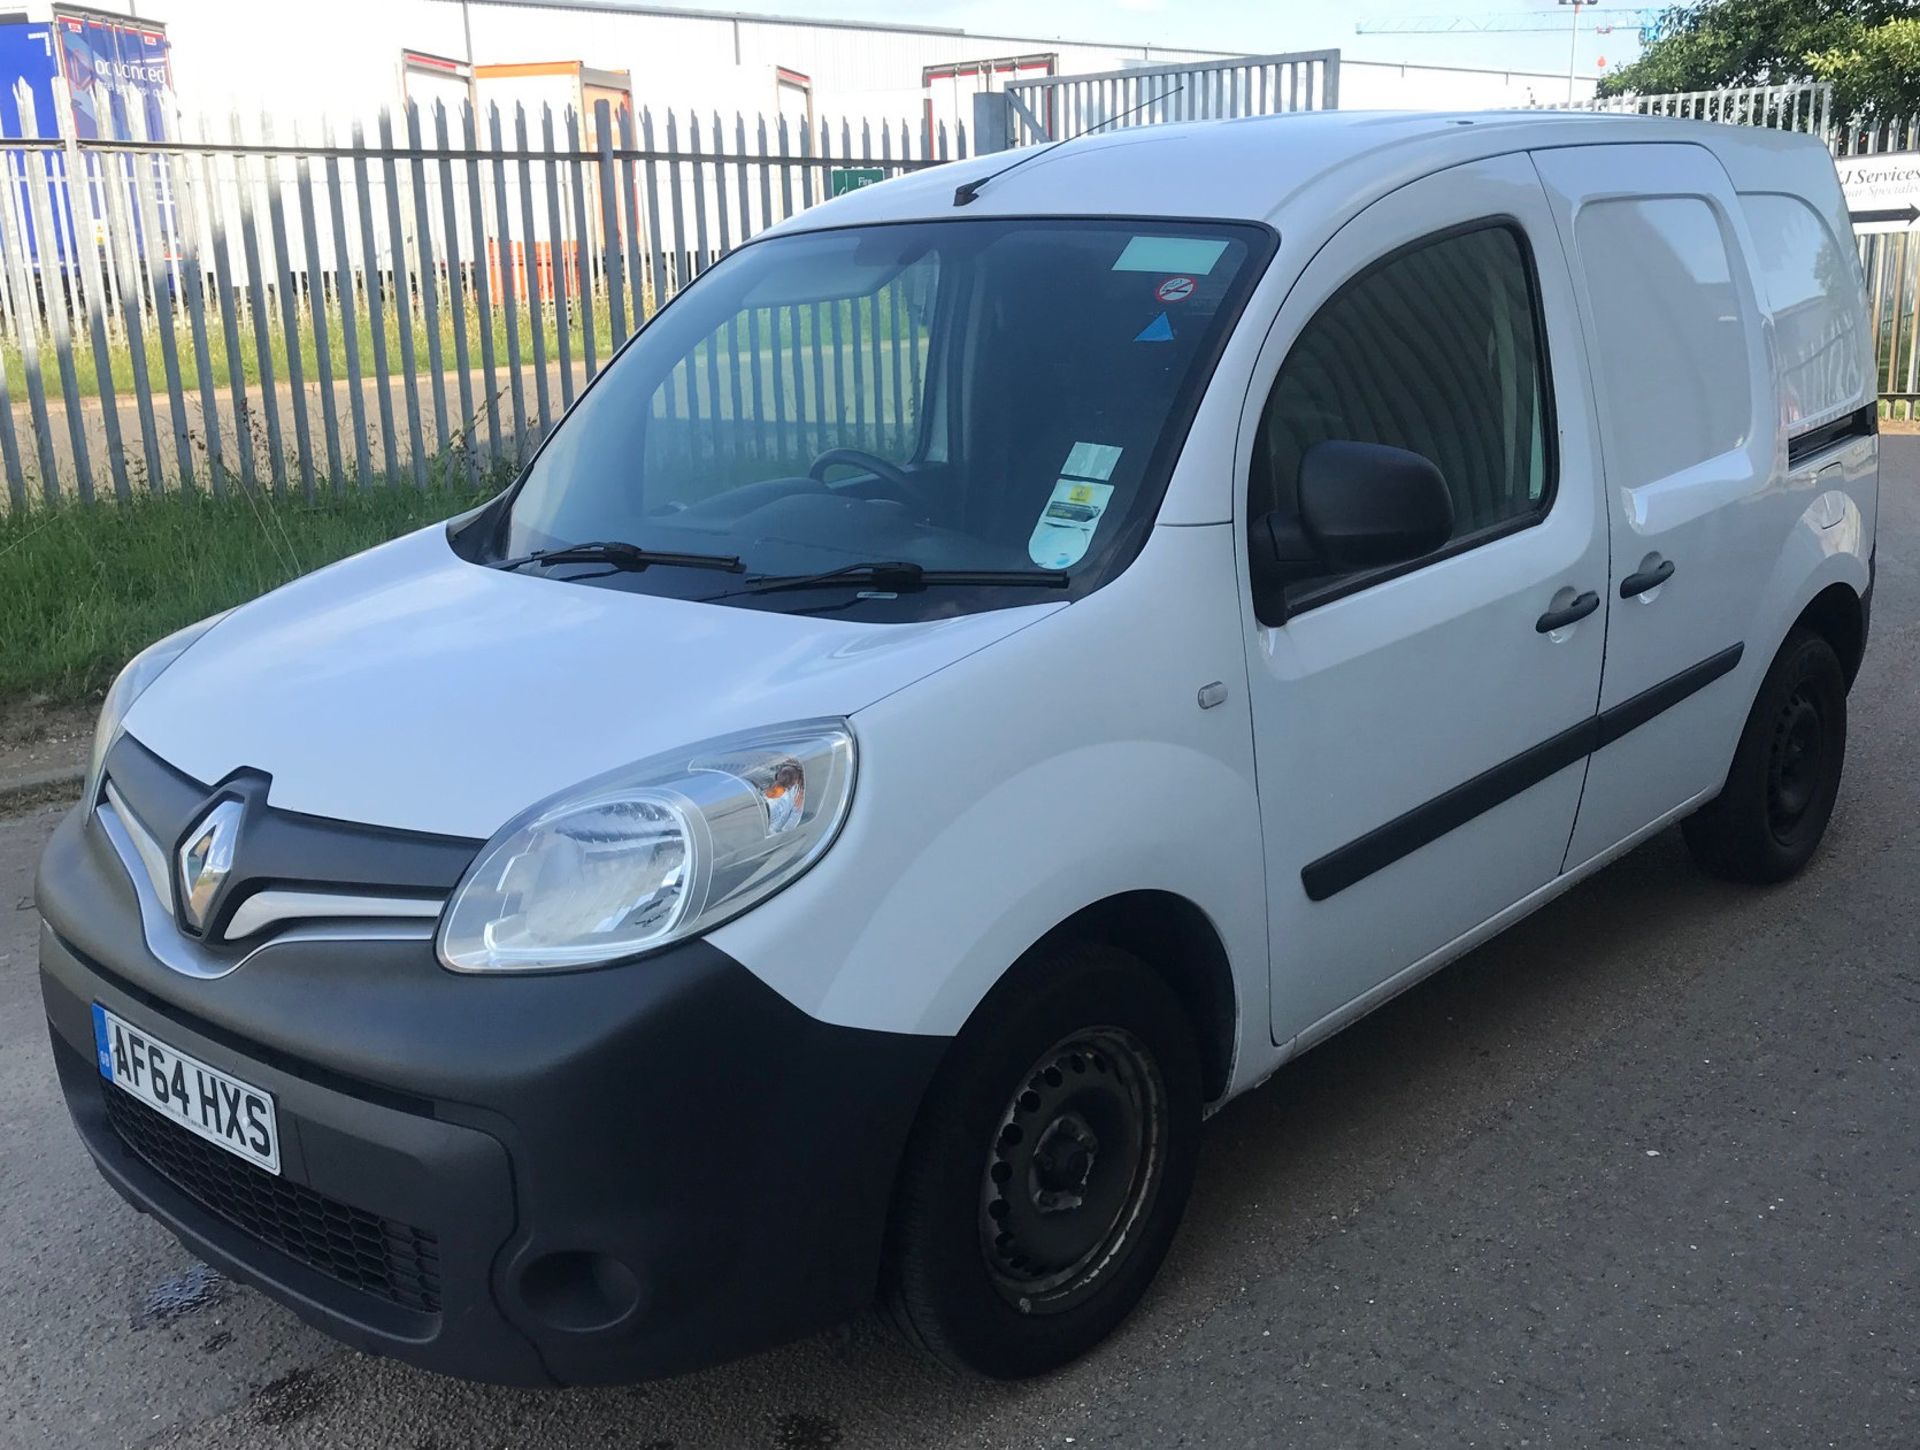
{"x": 205, "y": 860}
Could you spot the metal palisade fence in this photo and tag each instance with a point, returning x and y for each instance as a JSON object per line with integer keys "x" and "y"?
{"x": 1890, "y": 261}
{"x": 1796, "y": 107}
{"x": 244, "y": 310}
{"x": 1054, "y": 108}
{"x": 296, "y": 313}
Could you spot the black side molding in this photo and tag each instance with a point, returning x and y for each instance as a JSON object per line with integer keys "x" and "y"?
{"x": 1429, "y": 821}
{"x": 1860, "y": 423}
{"x": 1630, "y": 714}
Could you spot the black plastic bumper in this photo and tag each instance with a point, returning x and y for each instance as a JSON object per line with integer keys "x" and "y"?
{"x": 593, "y": 1177}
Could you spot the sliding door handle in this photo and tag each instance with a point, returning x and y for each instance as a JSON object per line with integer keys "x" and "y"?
{"x": 1572, "y": 612}
{"x": 1645, "y": 579}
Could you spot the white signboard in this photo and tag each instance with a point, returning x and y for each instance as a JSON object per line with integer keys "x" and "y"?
{"x": 1883, "y": 191}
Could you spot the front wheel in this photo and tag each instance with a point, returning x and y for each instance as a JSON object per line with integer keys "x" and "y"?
{"x": 1050, "y": 1166}
{"x": 1780, "y": 791}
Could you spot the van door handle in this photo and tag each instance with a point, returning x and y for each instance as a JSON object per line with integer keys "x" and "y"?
{"x": 1570, "y": 613}
{"x": 1645, "y": 579}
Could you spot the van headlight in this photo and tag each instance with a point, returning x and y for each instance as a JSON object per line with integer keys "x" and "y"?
{"x": 132, "y": 681}
{"x": 651, "y": 853}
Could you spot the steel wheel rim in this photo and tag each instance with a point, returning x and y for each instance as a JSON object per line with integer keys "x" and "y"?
{"x": 1795, "y": 762}
{"x": 1072, "y": 1167}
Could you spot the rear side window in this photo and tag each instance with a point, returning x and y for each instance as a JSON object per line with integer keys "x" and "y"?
{"x": 1813, "y": 291}
{"x": 1672, "y": 342}
{"x": 1437, "y": 349}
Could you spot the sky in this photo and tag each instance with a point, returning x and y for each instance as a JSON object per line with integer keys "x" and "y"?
{"x": 1255, "y": 26}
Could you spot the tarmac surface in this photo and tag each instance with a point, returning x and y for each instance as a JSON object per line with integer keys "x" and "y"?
{"x": 1642, "y": 1171}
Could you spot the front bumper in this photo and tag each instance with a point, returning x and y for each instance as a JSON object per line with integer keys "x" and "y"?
{"x": 578, "y": 1178}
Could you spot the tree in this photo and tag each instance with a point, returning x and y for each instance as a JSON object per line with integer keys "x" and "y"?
{"x": 1868, "y": 49}
{"x": 1878, "y": 77}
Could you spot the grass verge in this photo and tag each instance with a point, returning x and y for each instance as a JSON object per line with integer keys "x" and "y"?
{"x": 84, "y": 589}
{"x": 119, "y": 354}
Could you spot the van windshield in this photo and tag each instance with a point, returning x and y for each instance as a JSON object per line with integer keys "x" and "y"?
{"x": 961, "y": 401}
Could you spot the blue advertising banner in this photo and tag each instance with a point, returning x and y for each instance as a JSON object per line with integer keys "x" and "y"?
{"x": 120, "y": 78}
{"x": 26, "y": 62}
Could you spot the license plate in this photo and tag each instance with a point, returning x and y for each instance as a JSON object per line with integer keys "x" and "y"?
{"x": 222, "y": 1109}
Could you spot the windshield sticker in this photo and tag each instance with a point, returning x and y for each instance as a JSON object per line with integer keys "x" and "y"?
{"x": 1065, "y": 531}
{"x": 1174, "y": 289}
{"x": 1092, "y": 460}
{"x": 1192, "y": 256}
{"x": 1158, "y": 330}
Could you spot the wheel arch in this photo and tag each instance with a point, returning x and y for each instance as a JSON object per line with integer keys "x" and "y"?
{"x": 1178, "y": 940}
{"x": 1838, "y": 615}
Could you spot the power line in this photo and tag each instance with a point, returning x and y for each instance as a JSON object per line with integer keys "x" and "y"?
{"x": 1607, "y": 18}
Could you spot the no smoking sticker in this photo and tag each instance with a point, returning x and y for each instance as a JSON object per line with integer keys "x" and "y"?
{"x": 1174, "y": 289}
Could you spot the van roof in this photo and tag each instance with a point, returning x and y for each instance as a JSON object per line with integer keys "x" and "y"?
{"x": 1258, "y": 167}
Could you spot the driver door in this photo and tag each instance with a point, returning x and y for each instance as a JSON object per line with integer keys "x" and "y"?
{"x": 1420, "y": 739}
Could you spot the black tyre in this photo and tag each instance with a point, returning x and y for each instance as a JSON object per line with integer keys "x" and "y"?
{"x": 1785, "y": 777}
{"x": 1049, "y": 1168}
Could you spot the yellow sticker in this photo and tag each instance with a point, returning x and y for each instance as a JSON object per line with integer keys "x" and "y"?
{"x": 1067, "y": 523}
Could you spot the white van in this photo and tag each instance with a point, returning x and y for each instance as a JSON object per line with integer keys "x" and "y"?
{"x": 1002, "y": 663}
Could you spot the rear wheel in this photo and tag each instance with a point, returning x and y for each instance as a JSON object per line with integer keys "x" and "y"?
{"x": 1049, "y": 1168}
{"x": 1785, "y": 777}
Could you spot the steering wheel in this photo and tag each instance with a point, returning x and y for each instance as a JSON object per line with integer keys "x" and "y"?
{"x": 890, "y": 473}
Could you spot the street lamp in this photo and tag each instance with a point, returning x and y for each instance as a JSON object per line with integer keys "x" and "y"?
{"x": 1573, "y": 43}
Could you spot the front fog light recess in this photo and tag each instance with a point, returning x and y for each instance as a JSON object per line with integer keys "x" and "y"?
{"x": 652, "y": 853}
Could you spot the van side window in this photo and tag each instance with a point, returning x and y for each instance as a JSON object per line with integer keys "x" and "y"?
{"x": 1672, "y": 348}
{"x": 1438, "y": 350}
{"x": 1812, "y": 288}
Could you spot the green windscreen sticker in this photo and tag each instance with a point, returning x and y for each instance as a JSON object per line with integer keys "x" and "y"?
{"x": 1194, "y": 256}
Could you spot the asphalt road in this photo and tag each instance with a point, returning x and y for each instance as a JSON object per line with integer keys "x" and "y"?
{"x": 1643, "y": 1171}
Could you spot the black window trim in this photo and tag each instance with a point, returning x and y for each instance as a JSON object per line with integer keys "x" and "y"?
{"x": 1312, "y": 595}
{"x": 1809, "y": 443}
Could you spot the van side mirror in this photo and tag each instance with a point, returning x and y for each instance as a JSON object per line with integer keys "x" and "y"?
{"x": 1362, "y": 506}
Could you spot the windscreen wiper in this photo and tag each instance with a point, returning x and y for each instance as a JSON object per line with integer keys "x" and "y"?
{"x": 896, "y": 575}
{"x": 621, "y": 556}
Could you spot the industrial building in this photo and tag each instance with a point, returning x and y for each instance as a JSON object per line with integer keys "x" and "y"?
{"x": 348, "y": 59}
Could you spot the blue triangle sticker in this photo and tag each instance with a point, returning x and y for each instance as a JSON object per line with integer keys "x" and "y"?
{"x": 1158, "y": 330}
